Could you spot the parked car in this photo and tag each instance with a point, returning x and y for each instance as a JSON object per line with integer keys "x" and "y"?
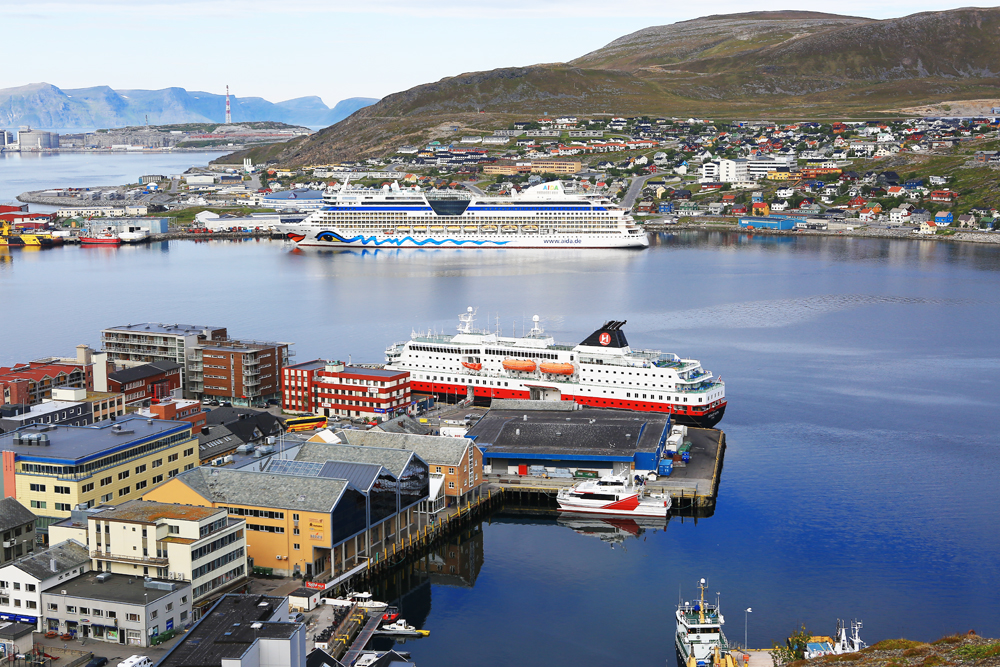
{"x": 97, "y": 661}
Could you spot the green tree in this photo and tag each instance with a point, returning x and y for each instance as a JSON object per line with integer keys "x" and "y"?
{"x": 794, "y": 648}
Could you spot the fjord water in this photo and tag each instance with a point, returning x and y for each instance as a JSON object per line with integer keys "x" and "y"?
{"x": 862, "y": 477}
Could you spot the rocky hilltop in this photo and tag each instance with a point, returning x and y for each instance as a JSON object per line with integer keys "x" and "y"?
{"x": 779, "y": 64}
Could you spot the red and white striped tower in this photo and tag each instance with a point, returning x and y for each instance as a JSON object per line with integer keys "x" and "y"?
{"x": 229, "y": 113}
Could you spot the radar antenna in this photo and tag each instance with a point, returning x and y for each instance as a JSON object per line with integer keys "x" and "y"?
{"x": 466, "y": 319}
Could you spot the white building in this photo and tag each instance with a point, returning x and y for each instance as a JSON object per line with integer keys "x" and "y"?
{"x": 758, "y": 167}
{"x": 23, "y": 581}
{"x": 733, "y": 171}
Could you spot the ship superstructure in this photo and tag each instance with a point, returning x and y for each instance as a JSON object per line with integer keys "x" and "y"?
{"x": 602, "y": 371}
{"x": 542, "y": 216}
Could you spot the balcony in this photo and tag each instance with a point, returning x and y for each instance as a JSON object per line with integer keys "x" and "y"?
{"x": 118, "y": 558}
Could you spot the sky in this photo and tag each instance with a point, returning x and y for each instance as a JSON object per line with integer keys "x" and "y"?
{"x": 281, "y": 50}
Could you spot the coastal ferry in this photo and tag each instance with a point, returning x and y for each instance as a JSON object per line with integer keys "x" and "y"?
{"x": 616, "y": 495}
{"x": 542, "y": 216}
{"x": 699, "y": 639}
{"x": 602, "y": 371}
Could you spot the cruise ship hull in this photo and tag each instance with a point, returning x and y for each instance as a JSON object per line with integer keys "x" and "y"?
{"x": 334, "y": 239}
{"x": 686, "y": 415}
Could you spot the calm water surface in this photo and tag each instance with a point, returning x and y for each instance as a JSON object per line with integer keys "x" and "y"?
{"x": 862, "y": 476}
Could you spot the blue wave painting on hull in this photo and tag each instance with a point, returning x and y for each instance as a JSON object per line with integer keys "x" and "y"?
{"x": 333, "y": 236}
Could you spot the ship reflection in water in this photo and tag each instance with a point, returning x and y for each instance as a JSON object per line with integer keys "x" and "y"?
{"x": 613, "y": 530}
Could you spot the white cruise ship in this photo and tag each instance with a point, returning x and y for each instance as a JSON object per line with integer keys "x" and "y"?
{"x": 602, "y": 371}
{"x": 542, "y": 216}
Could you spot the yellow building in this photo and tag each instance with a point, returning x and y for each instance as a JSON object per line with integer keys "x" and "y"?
{"x": 196, "y": 544}
{"x": 321, "y": 515}
{"x": 52, "y": 469}
{"x": 779, "y": 175}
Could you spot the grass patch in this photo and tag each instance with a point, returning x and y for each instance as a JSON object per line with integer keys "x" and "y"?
{"x": 979, "y": 651}
{"x": 933, "y": 661}
{"x": 950, "y": 639}
{"x": 917, "y": 650}
{"x": 893, "y": 645}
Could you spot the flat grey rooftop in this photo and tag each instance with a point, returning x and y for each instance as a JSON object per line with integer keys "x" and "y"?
{"x": 174, "y": 329}
{"x": 70, "y": 445}
{"x": 118, "y": 588}
{"x": 393, "y": 460}
{"x": 226, "y": 631}
{"x": 586, "y": 432}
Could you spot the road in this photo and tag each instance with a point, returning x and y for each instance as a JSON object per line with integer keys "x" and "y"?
{"x": 636, "y": 188}
{"x": 473, "y": 189}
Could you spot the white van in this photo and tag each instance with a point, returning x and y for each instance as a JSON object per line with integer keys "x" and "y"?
{"x": 136, "y": 661}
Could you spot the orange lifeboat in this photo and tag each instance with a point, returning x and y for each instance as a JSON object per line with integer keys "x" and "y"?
{"x": 525, "y": 365}
{"x": 557, "y": 369}
{"x": 475, "y": 367}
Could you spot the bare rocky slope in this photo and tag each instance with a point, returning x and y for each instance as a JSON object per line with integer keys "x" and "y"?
{"x": 779, "y": 64}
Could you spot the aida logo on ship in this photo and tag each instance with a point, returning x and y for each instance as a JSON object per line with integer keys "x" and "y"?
{"x": 551, "y": 186}
{"x": 605, "y": 338}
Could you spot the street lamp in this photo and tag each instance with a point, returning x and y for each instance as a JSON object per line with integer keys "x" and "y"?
{"x": 746, "y": 616}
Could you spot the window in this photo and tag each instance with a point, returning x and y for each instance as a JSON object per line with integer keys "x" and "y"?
{"x": 132, "y": 617}
{"x": 157, "y": 463}
{"x": 153, "y": 614}
{"x": 63, "y": 507}
{"x": 70, "y": 609}
{"x": 189, "y": 466}
{"x": 189, "y": 452}
{"x": 53, "y": 607}
{"x": 4, "y": 602}
{"x": 172, "y": 458}
{"x": 106, "y": 498}
{"x": 184, "y": 615}
{"x": 170, "y": 606}
{"x": 124, "y": 491}
{"x": 295, "y": 531}
{"x": 184, "y": 599}
{"x": 62, "y": 489}
{"x": 295, "y": 517}
{"x": 175, "y": 529}
{"x": 451, "y": 485}
{"x": 106, "y": 481}
{"x": 295, "y": 546}
{"x": 97, "y": 612}
{"x": 437, "y": 469}
{"x": 123, "y": 475}
{"x": 38, "y": 504}
{"x": 85, "y": 611}
{"x": 172, "y": 473}
{"x": 140, "y": 469}
{"x": 30, "y": 588}
{"x": 140, "y": 485}
{"x": 451, "y": 471}
{"x": 37, "y": 487}
{"x": 87, "y": 488}
{"x": 17, "y": 603}
{"x": 112, "y": 614}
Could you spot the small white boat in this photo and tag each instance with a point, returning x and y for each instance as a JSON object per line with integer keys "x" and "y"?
{"x": 363, "y": 600}
{"x": 134, "y": 235}
{"x": 400, "y": 628}
{"x": 615, "y": 495}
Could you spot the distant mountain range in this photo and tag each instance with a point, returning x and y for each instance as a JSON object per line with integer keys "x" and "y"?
{"x": 42, "y": 105}
{"x": 784, "y": 64}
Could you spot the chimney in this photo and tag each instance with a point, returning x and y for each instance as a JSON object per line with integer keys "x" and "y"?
{"x": 53, "y": 565}
{"x": 84, "y": 355}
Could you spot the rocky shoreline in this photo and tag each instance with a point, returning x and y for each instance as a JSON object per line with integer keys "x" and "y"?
{"x": 860, "y": 232}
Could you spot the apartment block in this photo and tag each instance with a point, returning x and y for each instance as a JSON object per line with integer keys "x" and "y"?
{"x": 23, "y": 581}
{"x": 151, "y": 341}
{"x": 141, "y": 384}
{"x": 334, "y": 389}
{"x": 52, "y": 469}
{"x": 239, "y": 372}
{"x": 199, "y": 545}
{"x": 17, "y": 525}
{"x": 34, "y": 381}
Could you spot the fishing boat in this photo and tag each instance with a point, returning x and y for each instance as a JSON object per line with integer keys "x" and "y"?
{"x": 400, "y": 628}
{"x": 613, "y": 495}
{"x": 11, "y": 237}
{"x": 106, "y": 236}
{"x": 134, "y": 235}
{"x": 699, "y": 639}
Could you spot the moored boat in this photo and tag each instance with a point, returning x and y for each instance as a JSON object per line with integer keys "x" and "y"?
{"x": 699, "y": 638}
{"x": 107, "y": 236}
{"x": 134, "y": 235}
{"x": 613, "y": 495}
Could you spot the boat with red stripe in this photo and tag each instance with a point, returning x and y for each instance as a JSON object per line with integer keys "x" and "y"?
{"x": 613, "y": 495}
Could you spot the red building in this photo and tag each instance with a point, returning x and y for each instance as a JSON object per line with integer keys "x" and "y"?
{"x": 177, "y": 409}
{"x": 944, "y": 195}
{"x": 33, "y": 382}
{"x": 142, "y": 384}
{"x": 335, "y": 390}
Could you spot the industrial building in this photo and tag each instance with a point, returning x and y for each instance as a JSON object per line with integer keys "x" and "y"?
{"x": 517, "y": 435}
{"x": 769, "y": 222}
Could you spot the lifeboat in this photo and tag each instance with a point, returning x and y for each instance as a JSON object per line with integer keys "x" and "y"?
{"x": 525, "y": 365}
{"x": 419, "y": 229}
{"x": 454, "y": 229}
{"x": 470, "y": 228}
{"x": 402, "y": 229}
{"x": 508, "y": 229}
{"x": 472, "y": 366}
{"x": 556, "y": 369}
{"x": 437, "y": 228}
{"x": 530, "y": 228}
{"x": 489, "y": 228}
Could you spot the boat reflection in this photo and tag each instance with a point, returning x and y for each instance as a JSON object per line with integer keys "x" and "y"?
{"x": 612, "y": 530}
